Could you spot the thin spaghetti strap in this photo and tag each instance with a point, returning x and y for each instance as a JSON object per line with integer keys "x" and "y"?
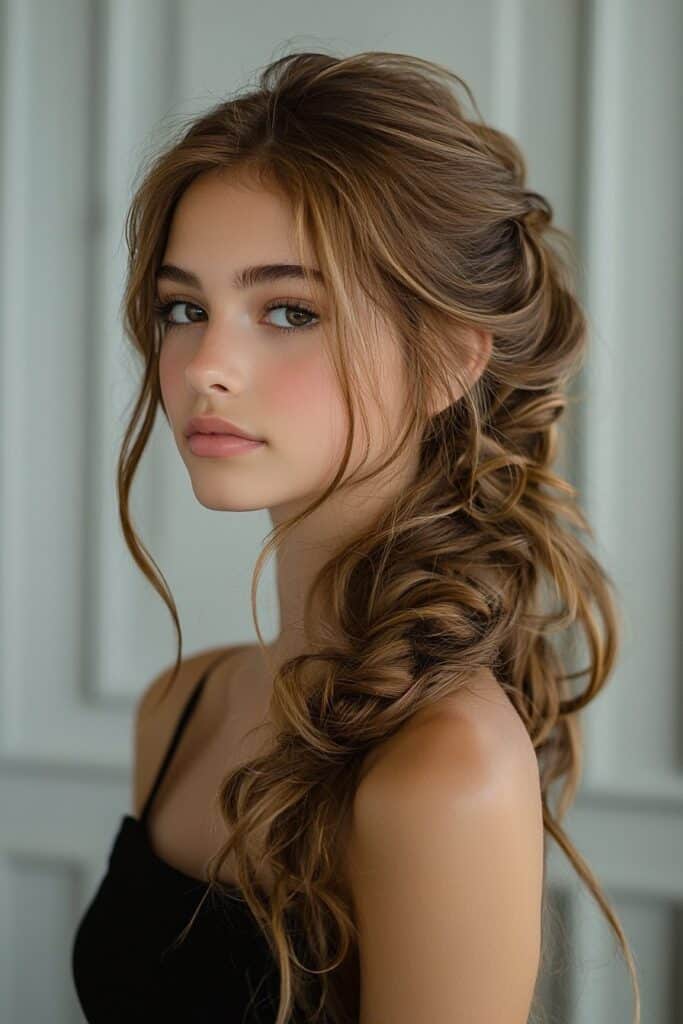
{"x": 182, "y": 722}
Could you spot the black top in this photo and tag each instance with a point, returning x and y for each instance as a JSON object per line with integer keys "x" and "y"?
{"x": 123, "y": 967}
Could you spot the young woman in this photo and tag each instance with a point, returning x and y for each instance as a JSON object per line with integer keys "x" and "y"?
{"x": 348, "y": 307}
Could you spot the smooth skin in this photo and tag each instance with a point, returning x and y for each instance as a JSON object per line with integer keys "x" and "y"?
{"x": 446, "y": 869}
{"x": 445, "y": 858}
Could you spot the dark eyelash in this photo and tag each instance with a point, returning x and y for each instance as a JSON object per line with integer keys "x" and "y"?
{"x": 163, "y": 309}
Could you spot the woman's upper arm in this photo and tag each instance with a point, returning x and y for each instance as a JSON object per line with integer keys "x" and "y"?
{"x": 447, "y": 876}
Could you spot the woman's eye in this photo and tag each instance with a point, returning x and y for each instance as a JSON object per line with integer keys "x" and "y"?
{"x": 298, "y": 312}
{"x": 163, "y": 310}
{"x": 294, "y": 311}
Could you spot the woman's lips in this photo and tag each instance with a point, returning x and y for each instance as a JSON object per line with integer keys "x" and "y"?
{"x": 221, "y": 444}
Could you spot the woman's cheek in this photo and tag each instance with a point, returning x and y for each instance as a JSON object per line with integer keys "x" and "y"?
{"x": 171, "y": 379}
{"x": 306, "y": 393}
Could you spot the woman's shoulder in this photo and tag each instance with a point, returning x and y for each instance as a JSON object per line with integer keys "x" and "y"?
{"x": 160, "y": 693}
{"x": 478, "y": 719}
{"x": 158, "y": 710}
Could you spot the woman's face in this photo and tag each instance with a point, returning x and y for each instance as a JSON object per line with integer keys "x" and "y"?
{"x": 228, "y": 353}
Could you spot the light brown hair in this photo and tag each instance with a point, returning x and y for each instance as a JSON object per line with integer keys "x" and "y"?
{"x": 480, "y": 563}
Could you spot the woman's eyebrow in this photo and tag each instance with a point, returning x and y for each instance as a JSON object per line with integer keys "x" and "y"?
{"x": 245, "y": 278}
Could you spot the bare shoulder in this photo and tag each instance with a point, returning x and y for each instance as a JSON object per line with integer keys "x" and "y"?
{"x": 157, "y": 712}
{"x": 472, "y": 749}
{"x": 474, "y": 735}
{"x": 445, "y": 866}
{"x": 191, "y": 667}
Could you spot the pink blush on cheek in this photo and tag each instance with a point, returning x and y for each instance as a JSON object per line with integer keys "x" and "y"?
{"x": 303, "y": 394}
{"x": 293, "y": 385}
{"x": 308, "y": 415}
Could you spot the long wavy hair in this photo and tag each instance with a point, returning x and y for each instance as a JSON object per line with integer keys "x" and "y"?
{"x": 479, "y": 562}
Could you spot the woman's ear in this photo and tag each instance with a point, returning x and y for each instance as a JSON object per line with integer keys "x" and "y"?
{"x": 477, "y": 345}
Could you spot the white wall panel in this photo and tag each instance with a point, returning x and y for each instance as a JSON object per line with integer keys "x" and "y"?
{"x": 44, "y": 893}
{"x": 633, "y": 428}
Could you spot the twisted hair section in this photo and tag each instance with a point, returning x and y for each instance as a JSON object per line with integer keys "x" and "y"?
{"x": 417, "y": 207}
